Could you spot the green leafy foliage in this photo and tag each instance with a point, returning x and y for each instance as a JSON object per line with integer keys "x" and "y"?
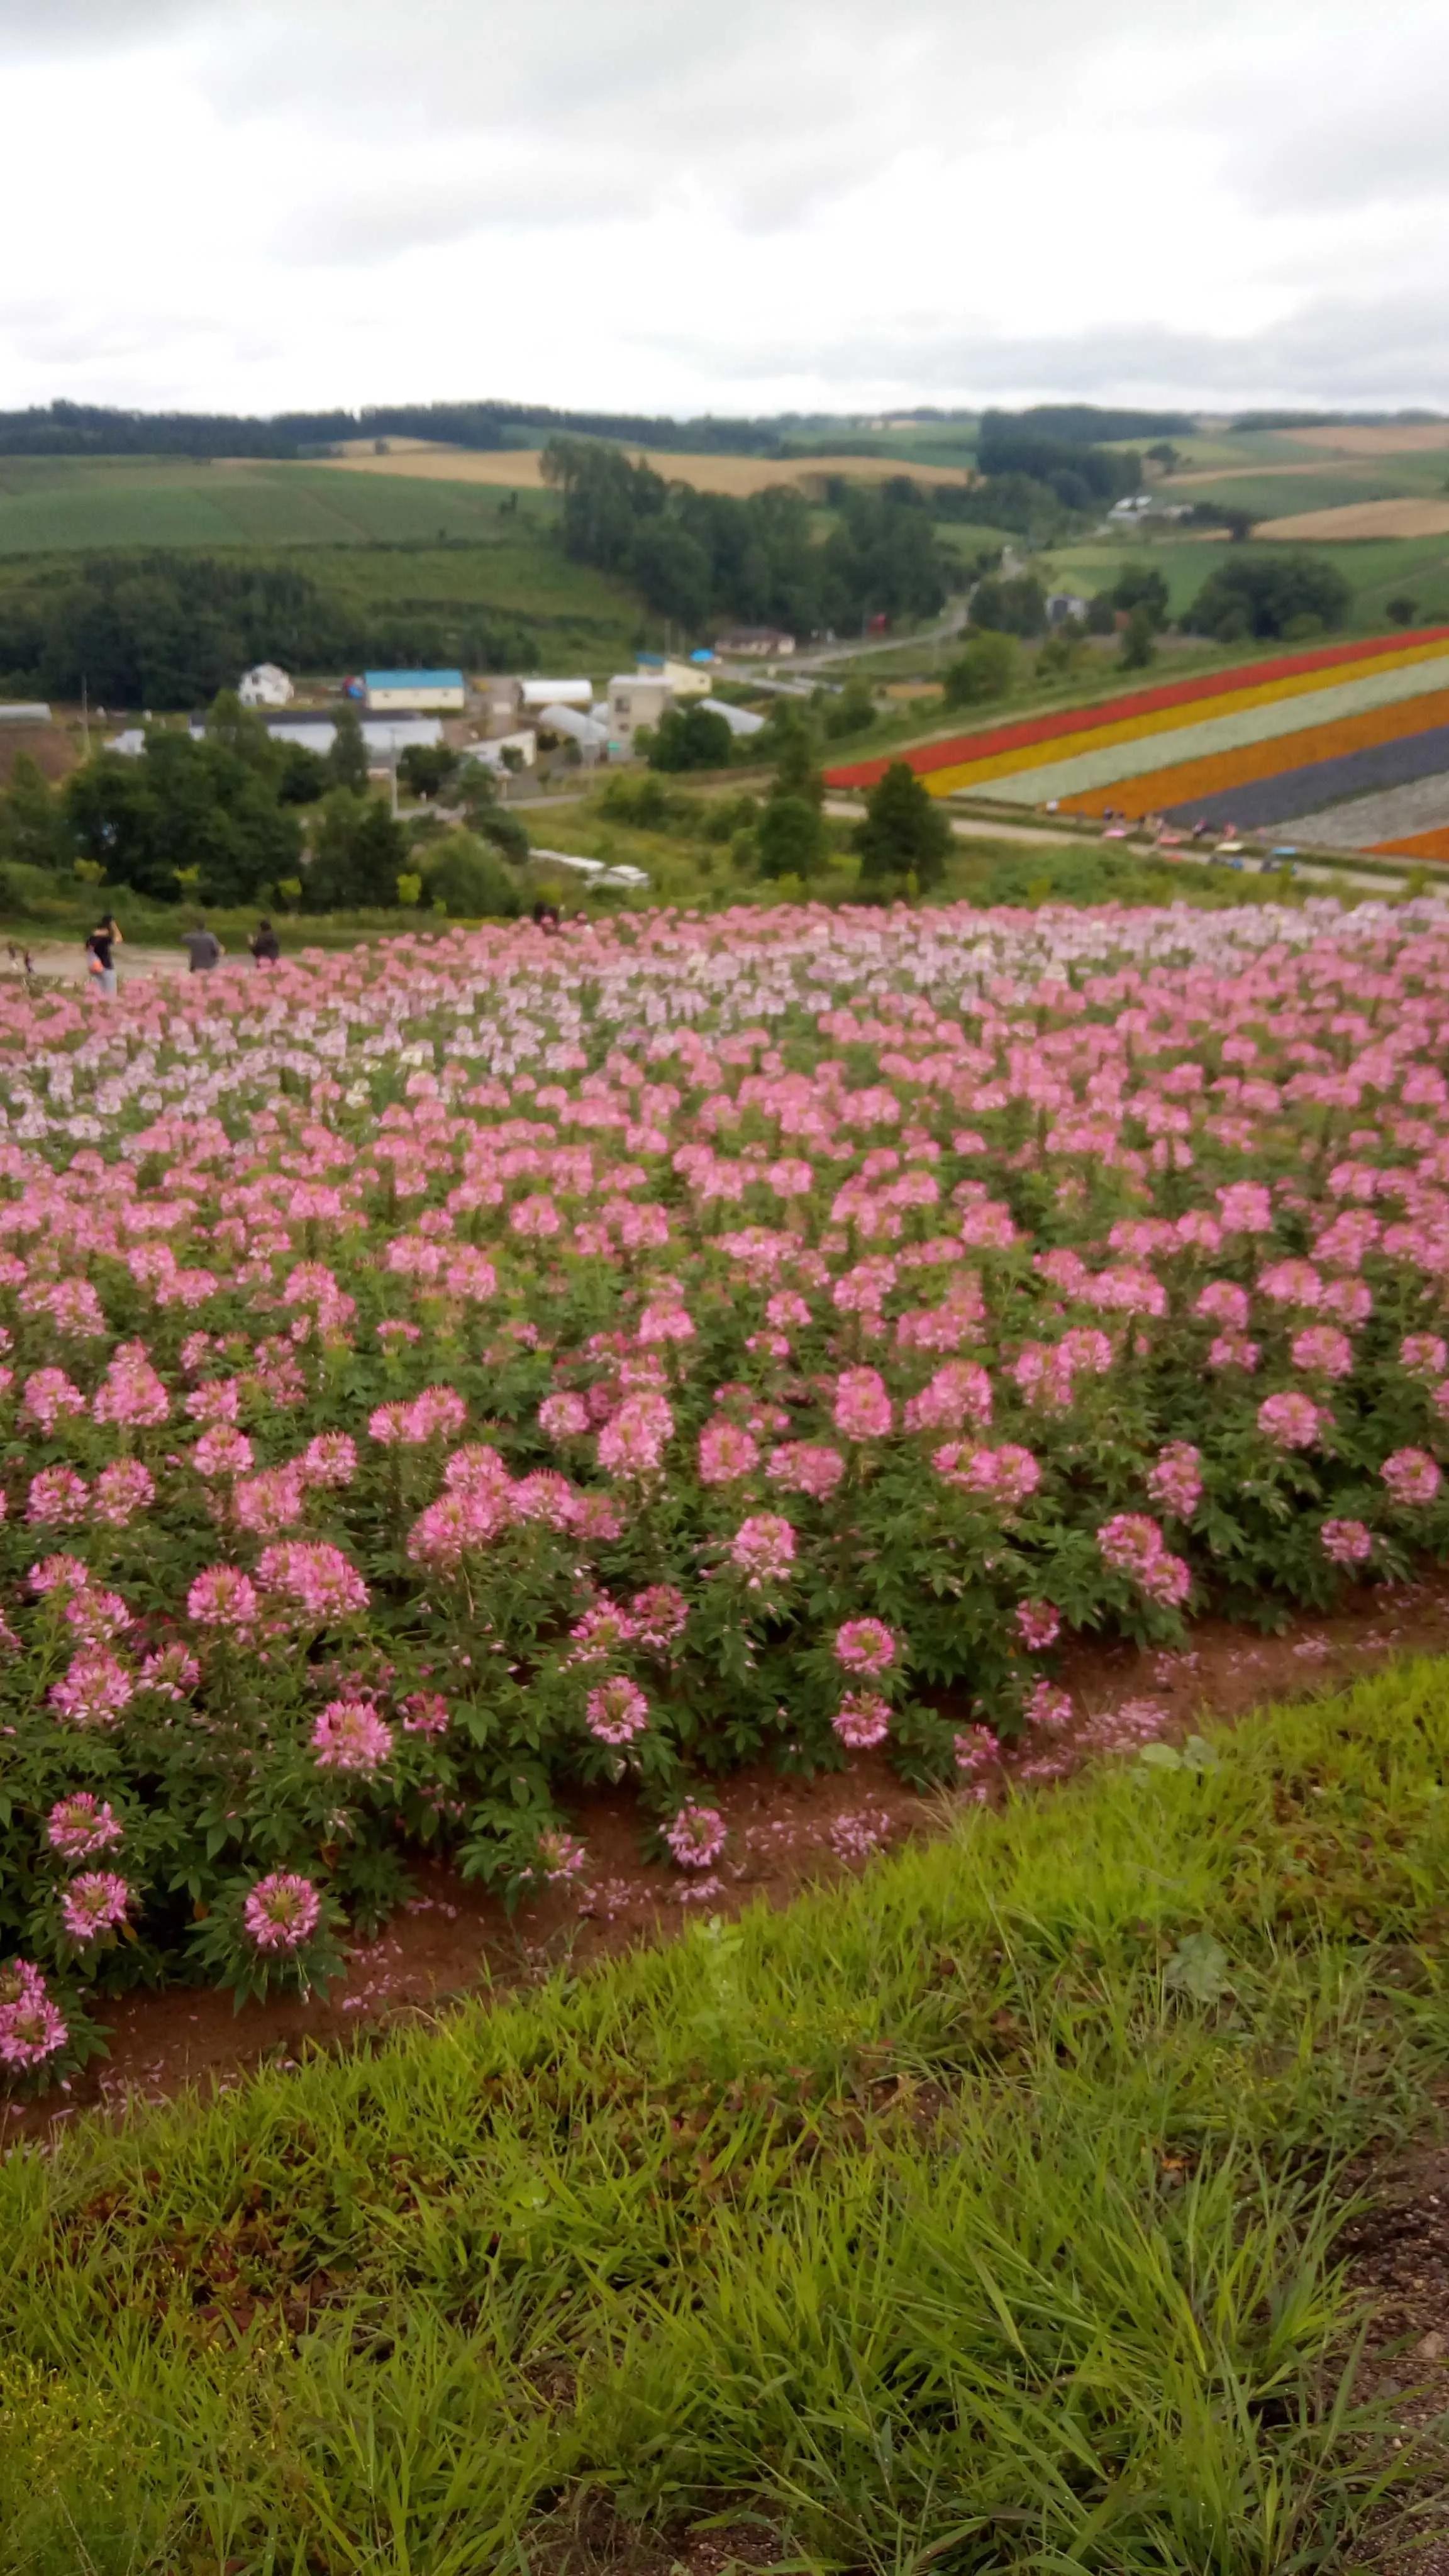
{"x": 1265, "y": 595}
{"x": 982, "y": 672}
{"x": 905, "y": 834}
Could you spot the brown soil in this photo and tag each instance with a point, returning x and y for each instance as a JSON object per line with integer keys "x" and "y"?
{"x": 450, "y": 1938}
{"x": 518, "y": 468}
{"x": 1398, "y": 2251}
{"x": 52, "y": 746}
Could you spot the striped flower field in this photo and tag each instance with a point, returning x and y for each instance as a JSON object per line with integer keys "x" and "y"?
{"x": 1260, "y": 744}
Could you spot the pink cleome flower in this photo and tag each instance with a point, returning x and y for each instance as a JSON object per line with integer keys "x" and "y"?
{"x": 1411, "y": 1476}
{"x": 350, "y": 1736}
{"x": 81, "y": 1825}
{"x": 1174, "y": 1481}
{"x": 318, "y": 1578}
{"x": 132, "y": 1393}
{"x": 1321, "y": 1350}
{"x": 330, "y": 1459}
{"x": 563, "y": 1416}
{"x": 863, "y": 1409}
{"x": 960, "y": 1392}
{"x": 1132, "y": 1544}
{"x": 659, "y": 1615}
{"x": 806, "y": 1467}
{"x": 865, "y": 1646}
{"x": 222, "y": 1450}
{"x": 31, "y": 2027}
{"x": 862, "y": 1719}
{"x": 94, "y": 1692}
{"x": 1007, "y": 1476}
{"x": 425, "y": 1713}
{"x": 93, "y": 1904}
{"x": 616, "y": 1711}
{"x": 696, "y": 1835}
{"x": 561, "y": 1856}
{"x": 121, "y": 1491}
{"x": 1292, "y": 1421}
{"x": 1346, "y": 1542}
{"x": 763, "y": 1549}
{"x": 632, "y": 1443}
{"x": 172, "y": 1673}
{"x": 281, "y": 1911}
{"x": 1048, "y": 1707}
{"x": 58, "y": 1499}
{"x": 1038, "y": 1624}
{"x": 726, "y": 1453}
{"x": 49, "y": 1393}
{"x": 222, "y": 1597}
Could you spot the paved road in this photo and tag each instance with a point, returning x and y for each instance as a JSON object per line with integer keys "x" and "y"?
{"x": 975, "y": 827}
{"x": 823, "y": 654}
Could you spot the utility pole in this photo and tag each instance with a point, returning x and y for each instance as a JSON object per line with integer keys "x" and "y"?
{"x": 393, "y": 775}
{"x": 85, "y": 717}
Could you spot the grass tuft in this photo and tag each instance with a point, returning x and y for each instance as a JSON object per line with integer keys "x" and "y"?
{"x": 979, "y": 2215}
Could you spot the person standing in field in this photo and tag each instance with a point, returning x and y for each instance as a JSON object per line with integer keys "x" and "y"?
{"x": 101, "y": 948}
{"x": 266, "y": 948}
{"x": 203, "y": 948}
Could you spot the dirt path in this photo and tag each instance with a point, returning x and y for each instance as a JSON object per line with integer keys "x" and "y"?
{"x": 450, "y": 1938}
{"x": 63, "y": 961}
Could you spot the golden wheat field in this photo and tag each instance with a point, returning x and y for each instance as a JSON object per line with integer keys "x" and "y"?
{"x": 1403, "y": 518}
{"x": 517, "y": 469}
{"x": 1389, "y": 438}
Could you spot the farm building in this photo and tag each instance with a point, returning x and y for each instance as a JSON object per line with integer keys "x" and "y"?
{"x": 635, "y": 699}
{"x": 412, "y": 692}
{"x": 739, "y": 719}
{"x": 686, "y": 679}
{"x": 524, "y": 742}
{"x": 265, "y": 685}
{"x": 535, "y": 695}
{"x": 756, "y": 643}
{"x": 574, "y": 726}
{"x": 1063, "y": 606}
{"x": 25, "y": 712}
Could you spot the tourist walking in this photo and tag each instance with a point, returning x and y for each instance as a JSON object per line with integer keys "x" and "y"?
{"x": 266, "y": 947}
{"x": 101, "y": 948}
{"x": 203, "y": 948}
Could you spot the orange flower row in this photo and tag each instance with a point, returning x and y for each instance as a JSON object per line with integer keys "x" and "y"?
{"x": 1154, "y": 791}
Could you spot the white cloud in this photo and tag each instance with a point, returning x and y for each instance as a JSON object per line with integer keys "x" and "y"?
{"x": 651, "y": 206}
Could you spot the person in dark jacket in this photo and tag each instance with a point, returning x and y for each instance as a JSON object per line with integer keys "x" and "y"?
{"x": 265, "y": 946}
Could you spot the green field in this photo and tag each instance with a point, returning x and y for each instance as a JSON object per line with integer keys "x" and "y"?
{"x": 982, "y": 2215}
{"x": 1376, "y": 568}
{"x": 51, "y": 503}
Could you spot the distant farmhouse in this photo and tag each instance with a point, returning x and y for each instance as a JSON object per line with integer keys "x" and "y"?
{"x": 267, "y": 685}
{"x": 411, "y": 692}
{"x": 755, "y": 643}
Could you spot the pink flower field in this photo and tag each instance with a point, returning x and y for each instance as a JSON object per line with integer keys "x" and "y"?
{"x": 442, "y": 1377}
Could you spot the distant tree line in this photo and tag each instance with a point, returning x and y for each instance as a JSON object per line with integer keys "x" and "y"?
{"x": 1088, "y": 424}
{"x": 168, "y": 629}
{"x": 1289, "y": 595}
{"x": 233, "y": 816}
{"x": 1082, "y": 476}
{"x": 97, "y": 429}
{"x": 698, "y": 556}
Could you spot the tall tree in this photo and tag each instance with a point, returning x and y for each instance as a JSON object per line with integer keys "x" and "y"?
{"x": 904, "y": 835}
{"x": 346, "y": 755}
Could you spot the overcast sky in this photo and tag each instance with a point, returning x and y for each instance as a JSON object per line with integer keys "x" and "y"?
{"x": 741, "y": 205}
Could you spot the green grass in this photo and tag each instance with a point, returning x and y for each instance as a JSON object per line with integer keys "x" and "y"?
{"x": 977, "y": 2216}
